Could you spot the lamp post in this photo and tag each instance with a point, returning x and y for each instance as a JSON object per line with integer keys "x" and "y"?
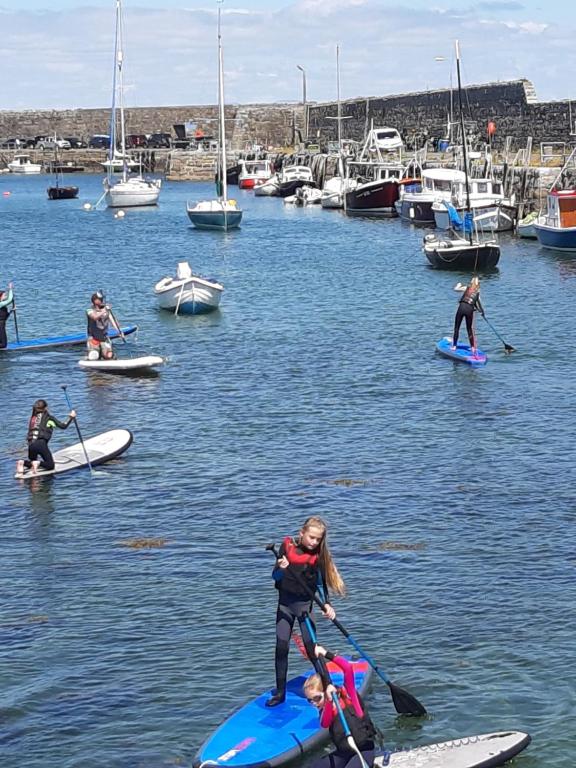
{"x": 305, "y": 117}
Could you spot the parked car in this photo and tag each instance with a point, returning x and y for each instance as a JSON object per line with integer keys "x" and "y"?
{"x": 159, "y": 140}
{"x": 99, "y": 141}
{"x": 52, "y": 142}
{"x": 135, "y": 140}
{"x": 75, "y": 143}
{"x": 11, "y": 143}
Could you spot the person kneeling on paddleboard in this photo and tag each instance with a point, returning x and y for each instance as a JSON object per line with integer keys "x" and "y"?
{"x": 6, "y": 298}
{"x": 468, "y": 304}
{"x": 99, "y": 319}
{"x": 357, "y": 718}
{"x": 40, "y": 430}
{"x": 304, "y": 565}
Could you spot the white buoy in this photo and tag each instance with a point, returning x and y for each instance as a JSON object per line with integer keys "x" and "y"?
{"x": 87, "y": 207}
{"x": 120, "y": 215}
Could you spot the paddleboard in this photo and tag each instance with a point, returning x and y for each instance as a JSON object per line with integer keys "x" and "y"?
{"x": 100, "y": 448}
{"x": 462, "y": 354}
{"x": 123, "y": 365}
{"x": 257, "y": 735}
{"x": 484, "y": 751}
{"x": 60, "y": 341}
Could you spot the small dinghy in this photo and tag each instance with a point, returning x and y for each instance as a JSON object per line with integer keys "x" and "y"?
{"x": 486, "y": 750}
{"x": 187, "y": 293}
{"x": 462, "y": 354}
{"x": 100, "y": 448}
{"x": 123, "y": 365}
{"x": 255, "y": 735}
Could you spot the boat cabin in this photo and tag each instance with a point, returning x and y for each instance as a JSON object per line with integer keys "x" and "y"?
{"x": 561, "y": 211}
{"x": 364, "y": 172}
{"x": 441, "y": 179}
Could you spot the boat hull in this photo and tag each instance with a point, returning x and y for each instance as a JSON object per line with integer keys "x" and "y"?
{"x": 248, "y": 183}
{"x": 417, "y": 212}
{"x": 374, "y": 199}
{"x": 556, "y": 238}
{"x": 287, "y": 188}
{"x": 193, "y": 297}
{"x": 133, "y": 193}
{"x": 444, "y": 254}
{"x": 62, "y": 193}
{"x": 215, "y": 220}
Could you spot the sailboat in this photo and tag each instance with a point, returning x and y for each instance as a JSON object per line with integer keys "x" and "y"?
{"x": 467, "y": 252}
{"x": 132, "y": 191}
{"x": 221, "y": 214}
{"x": 58, "y": 191}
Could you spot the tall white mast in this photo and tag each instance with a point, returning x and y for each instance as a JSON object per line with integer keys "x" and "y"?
{"x": 222, "y": 147}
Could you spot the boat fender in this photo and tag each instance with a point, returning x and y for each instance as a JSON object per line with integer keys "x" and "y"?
{"x": 445, "y": 244}
{"x": 429, "y": 238}
{"x": 233, "y": 203}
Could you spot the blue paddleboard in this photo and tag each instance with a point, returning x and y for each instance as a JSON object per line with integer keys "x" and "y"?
{"x": 257, "y": 735}
{"x": 462, "y": 354}
{"x": 60, "y": 341}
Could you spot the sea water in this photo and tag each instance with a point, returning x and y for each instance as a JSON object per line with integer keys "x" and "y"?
{"x": 137, "y": 608}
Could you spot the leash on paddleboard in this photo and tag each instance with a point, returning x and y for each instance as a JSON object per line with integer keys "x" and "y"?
{"x": 508, "y": 348}
{"x": 64, "y": 387}
{"x": 325, "y": 673}
{"x": 404, "y": 702}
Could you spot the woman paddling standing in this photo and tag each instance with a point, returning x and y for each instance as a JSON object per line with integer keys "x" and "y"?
{"x": 468, "y": 304}
{"x": 40, "y": 428}
{"x": 357, "y": 718}
{"x": 304, "y": 565}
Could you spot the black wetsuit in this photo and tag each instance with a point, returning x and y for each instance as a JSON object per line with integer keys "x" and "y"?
{"x": 40, "y": 431}
{"x": 294, "y": 603}
{"x": 4, "y": 315}
{"x": 469, "y": 303}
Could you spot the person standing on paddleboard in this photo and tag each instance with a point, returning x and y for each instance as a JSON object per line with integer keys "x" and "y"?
{"x": 361, "y": 726}
{"x": 40, "y": 428}
{"x": 99, "y": 319}
{"x": 304, "y": 561}
{"x": 468, "y": 304}
{"x": 6, "y": 298}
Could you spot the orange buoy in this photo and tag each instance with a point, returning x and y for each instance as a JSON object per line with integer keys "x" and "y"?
{"x": 491, "y": 128}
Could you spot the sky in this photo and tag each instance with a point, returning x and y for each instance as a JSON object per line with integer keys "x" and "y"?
{"x": 58, "y": 54}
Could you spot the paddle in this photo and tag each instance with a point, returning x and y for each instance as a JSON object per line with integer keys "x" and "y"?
{"x": 508, "y": 348}
{"x": 116, "y": 323}
{"x": 334, "y": 699}
{"x": 64, "y": 387}
{"x": 404, "y": 702}
{"x": 15, "y": 317}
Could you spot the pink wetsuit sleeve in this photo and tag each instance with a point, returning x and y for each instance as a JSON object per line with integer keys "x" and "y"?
{"x": 349, "y": 683}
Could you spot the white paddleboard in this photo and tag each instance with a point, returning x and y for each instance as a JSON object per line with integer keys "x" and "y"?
{"x": 484, "y": 751}
{"x": 123, "y": 365}
{"x": 99, "y": 448}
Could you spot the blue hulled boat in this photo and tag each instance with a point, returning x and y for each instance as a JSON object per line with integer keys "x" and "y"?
{"x": 557, "y": 228}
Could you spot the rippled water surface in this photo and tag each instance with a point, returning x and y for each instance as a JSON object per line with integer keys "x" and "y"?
{"x": 449, "y": 492}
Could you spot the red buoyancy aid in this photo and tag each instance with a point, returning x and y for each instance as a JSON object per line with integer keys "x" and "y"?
{"x": 298, "y": 558}
{"x": 303, "y": 570}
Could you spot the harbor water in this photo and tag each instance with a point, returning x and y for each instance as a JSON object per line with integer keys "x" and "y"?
{"x": 315, "y": 389}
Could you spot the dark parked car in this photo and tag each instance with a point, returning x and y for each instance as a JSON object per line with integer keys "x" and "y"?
{"x": 99, "y": 141}
{"x": 159, "y": 140}
{"x": 135, "y": 140}
{"x": 74, "y": 142}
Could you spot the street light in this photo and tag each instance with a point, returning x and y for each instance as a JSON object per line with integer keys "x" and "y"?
{"x": 304, "y": 100}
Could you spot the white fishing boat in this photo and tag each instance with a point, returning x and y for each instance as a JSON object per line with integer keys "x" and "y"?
{"x": 307, "y": 196}
{"x": 220, "y": 214}
{"x": 23, "y": 164}
{"x": 254, "y": 172}
{"x": 187, "y": 293}
{"x": 491, "y": 209}
{"x": 527, "y": 226}
{"x": 127, "y": 191}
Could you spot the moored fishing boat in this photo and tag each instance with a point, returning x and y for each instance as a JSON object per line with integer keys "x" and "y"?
{"x": 187, "y": 293}
{"x": 23, "y": 164}
{"x": 253, "y": 173}
{"x": 526, "y": 227}
{"x": 491, "y": 210}
{"x": 556, "y": 229}
{"x": 436, "y": 185}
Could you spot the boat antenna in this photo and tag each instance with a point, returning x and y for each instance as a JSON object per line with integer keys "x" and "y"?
{"x": 463, "y": 132}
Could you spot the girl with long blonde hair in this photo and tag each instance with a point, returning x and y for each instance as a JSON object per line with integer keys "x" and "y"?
{"x": 303, "y": 567}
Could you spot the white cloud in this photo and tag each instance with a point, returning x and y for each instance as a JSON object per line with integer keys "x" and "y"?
{"x": 57, "y": 59}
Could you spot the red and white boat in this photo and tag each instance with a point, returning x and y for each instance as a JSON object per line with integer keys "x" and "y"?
{"x": 253, "y": 173}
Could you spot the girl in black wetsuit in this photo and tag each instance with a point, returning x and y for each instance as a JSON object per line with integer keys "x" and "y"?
{"x": 6, "y": 298}
{"x": 307, "y": 559}
{"x": 468, "y": 304}
{"x": 40, "y": 430}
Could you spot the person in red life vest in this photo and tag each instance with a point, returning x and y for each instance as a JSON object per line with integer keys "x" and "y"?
{"x": 468, "y": 304}
{"x": 304, "y": 566}
{"x": 361, "y": 726}
{"x": 40, "y": 430}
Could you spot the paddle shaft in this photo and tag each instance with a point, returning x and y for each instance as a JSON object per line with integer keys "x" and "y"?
{"x": 117, "y": 324}
{"x": 15, "y": 318}
{"x": 326, "y": 674}
{"x": 78, "y": 429}
{"x": 403, "y": 701}
{"x": 508, "y": 347}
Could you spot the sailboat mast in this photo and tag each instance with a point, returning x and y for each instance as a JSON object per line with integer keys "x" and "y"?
{"x": 463, "y": 132}
{"x": 112, "y": 147}
{"x": 120, "y": 61}
{"x": 339, "y": 103}
{"x": 222, "y": 147}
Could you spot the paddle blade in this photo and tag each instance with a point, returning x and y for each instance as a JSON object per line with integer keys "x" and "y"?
{"x": 509, "y": 349}
{"x": 405, "y": 703}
